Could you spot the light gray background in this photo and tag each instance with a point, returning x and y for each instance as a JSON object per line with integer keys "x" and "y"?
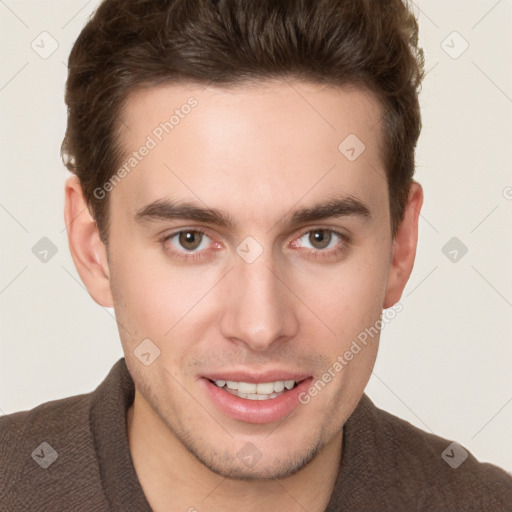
{"x": 445, "y": 362}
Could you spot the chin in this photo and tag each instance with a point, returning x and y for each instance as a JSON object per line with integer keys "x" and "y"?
{"x": 250, "y": 463}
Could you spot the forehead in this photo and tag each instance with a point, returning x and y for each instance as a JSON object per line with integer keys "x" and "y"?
{"x": 272, "y": 145}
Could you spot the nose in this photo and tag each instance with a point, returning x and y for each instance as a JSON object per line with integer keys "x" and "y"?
{"x": 260, "y": 308}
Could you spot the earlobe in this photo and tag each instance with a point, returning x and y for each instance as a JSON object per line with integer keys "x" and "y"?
{"x": 87, "y": 250}
{"x": 404, "y": 247}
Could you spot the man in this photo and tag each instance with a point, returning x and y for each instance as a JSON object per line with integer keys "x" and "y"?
{"x": 243, "y": 197}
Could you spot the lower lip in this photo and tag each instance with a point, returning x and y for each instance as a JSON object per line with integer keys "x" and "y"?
{"x": 256, "y": 411}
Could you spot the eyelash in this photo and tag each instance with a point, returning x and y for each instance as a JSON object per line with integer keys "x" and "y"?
{"x": 316, "y": 254}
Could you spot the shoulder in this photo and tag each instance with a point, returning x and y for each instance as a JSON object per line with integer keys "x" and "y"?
{"x": 49, "y": 448}
{"x": 446, "y": 471}
{"x": 53, "y": 419}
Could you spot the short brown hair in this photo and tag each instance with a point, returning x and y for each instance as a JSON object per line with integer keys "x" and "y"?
{"x": 130, "y": 44}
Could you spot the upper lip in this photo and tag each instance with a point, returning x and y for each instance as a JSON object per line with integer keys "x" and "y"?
{"x": 256, "y": 377}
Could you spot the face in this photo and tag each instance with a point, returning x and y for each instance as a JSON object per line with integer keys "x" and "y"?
{"x": 249, "y": 249}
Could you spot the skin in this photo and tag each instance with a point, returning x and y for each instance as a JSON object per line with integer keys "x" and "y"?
{"x": 258, "y": 154}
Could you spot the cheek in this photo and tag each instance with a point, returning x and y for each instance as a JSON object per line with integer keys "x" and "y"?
{"x": 347, "y": 297}
{"x": 144, "y": 299}
{"x": 153, "y": 299}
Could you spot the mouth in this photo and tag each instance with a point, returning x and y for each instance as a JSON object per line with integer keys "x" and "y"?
{"x": 256, "y": 391}
{"x": 264, "y": 401}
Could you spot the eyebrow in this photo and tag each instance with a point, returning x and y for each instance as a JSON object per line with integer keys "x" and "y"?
{"x": 164, "y": 209}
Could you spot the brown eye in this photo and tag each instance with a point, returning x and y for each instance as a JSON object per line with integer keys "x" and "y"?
{"x": 190, "y": 240}
{"x": 320, "y": 238}
{"x": 190, "y": 245}
{"x": 322, "y": 243}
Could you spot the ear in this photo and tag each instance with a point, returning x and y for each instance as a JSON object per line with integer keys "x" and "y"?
{"x": 404, "y": 247}
{"x": 87, "y": 250}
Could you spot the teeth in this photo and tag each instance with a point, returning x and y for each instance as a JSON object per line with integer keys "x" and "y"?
{"x": 261, "y": 388}
{"x": 253, "y": 396}
{"x": 246, "y": 387}
{"x": 279, "y": 386}
{"x": 265, "y": 388}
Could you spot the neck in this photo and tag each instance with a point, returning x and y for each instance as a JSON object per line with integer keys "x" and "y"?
{"x": 173, "y": 479}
